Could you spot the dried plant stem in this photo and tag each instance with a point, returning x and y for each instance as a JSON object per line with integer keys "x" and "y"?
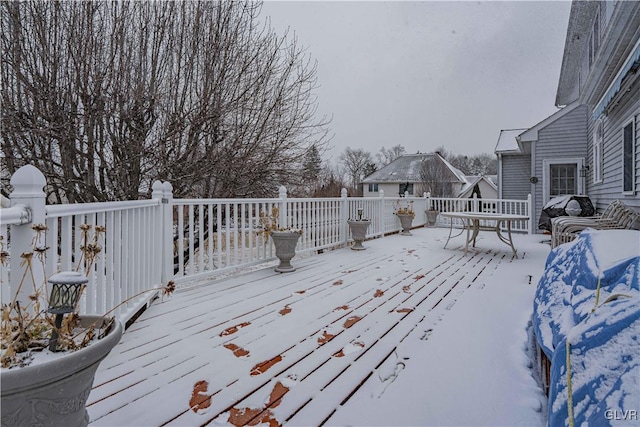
{"x": 27, "y": 327}
{"x": 24, "y": 276}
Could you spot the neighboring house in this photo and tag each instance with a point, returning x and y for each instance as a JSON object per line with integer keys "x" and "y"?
{"x": 590, "y": 146}
{"x": 486, "y": 186}
{"x": 403, "y": 174}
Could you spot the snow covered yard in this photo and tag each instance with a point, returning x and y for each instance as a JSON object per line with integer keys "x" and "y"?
{"x": 404, "y": 333}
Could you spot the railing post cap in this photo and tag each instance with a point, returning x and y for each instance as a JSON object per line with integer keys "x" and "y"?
{"x": 343, "y": 192}
{"x": 282, "y": 191}
{"x": 27, "y": 181}
{"x": 158, "y": 186}
{"x": 381, "y": 192}
{"x": 163, "y": 190}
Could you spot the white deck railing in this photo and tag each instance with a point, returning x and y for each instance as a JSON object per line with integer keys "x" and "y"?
{"x": 514, "y": 207}
{"x": 149, "y": 242}
{"x": 129, "y": 263}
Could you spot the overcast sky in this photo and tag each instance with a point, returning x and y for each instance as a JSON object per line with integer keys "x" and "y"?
{"x": 431, "y": 73}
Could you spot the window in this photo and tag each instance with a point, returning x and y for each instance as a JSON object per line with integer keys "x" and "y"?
{"x": 406, "y": 187}
{"x": 563, "y": 179}
{"x": 597, "y": 147}
{"x": 628, "y": 158}
{"x": 560, "y": 177}
{"x": 373, "y": 188}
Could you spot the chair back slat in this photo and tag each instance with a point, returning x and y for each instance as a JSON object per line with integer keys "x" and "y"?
{"x": 616, "y": 216}
{"x": 611, "y": 209}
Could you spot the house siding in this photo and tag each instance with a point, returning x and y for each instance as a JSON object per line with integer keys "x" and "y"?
{"x": 390, "y": 190}
{"x": 566, "y": 137}
{"x": 610, "y": 188}
{"x": 591, "y": 74}
{"x": 516, "y": 171}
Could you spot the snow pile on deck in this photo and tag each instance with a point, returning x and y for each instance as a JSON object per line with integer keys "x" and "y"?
{"x": 589, "y": 295}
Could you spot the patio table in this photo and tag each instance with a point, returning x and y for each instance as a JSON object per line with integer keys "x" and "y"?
{"x": 471, "y": 222}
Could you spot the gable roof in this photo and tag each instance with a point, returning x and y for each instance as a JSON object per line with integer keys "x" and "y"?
{"x": 531, "y": 134}
{"x": 507, "y": 141}
{"x": 473, "y": 180}
{"x": 406, "y": 168}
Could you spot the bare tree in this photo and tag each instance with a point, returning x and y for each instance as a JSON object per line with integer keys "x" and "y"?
{"x": 331, "y": 183}
{"x": 106, "y": 97}
{"x": 388, "y": 155}
{"x": 479, "y": 164}
{"x": 435, "y": 177}
{"x": 357, "y": 164}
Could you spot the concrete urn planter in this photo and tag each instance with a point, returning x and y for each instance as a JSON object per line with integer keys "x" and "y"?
{"x": 405, "y": 222}
{"x": 55, "y": 392}
{"x": 358, "y": 233}
{"x": 285, "y": 243}
{"x": 432, "y": 217}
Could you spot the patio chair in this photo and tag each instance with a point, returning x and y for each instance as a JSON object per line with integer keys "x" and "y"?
{"x": 616, "y": 216}
{"x": 606, "y": 214}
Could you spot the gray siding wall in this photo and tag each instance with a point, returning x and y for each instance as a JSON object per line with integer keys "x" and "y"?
{"x": 611, "y": 186}
{"x": 516, "y": 171}
{"x": 564, "y": 138}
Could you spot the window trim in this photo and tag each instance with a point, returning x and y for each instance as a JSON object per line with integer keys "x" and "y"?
{"x": 597, "y": 152}
{"x": 632, "y": 161}
{"x": 546, "y": 175}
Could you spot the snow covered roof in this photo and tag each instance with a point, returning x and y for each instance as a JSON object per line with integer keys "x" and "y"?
{"x": 457, "y": 172}
{"x": 406, "y": 168}
{"x": 473, "y": 180}
{"x": 507, "y": 142}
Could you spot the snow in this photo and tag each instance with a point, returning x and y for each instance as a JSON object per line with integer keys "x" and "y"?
{"x": 587, "y": 304}
{"x": 471, "y": 368}
{"x": 464, "y": 361}
{"x": 507, "y": 141}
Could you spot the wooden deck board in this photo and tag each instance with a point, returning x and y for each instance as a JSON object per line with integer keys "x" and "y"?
{"x": 179, "y": 344}
{"x": 337, "y": 391}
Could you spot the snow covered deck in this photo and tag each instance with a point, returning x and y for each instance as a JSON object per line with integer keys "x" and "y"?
{"x": 404, "y": 333}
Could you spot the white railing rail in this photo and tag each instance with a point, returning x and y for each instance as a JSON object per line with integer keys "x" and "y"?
{"x": 127, "y": 267}
{"x": 128, "y": 270}
{"x": 147, "y": 243}
{"x": 14, "y": 215}
{"x": 516, "y": 207}
{"x": 218, "y": 234}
